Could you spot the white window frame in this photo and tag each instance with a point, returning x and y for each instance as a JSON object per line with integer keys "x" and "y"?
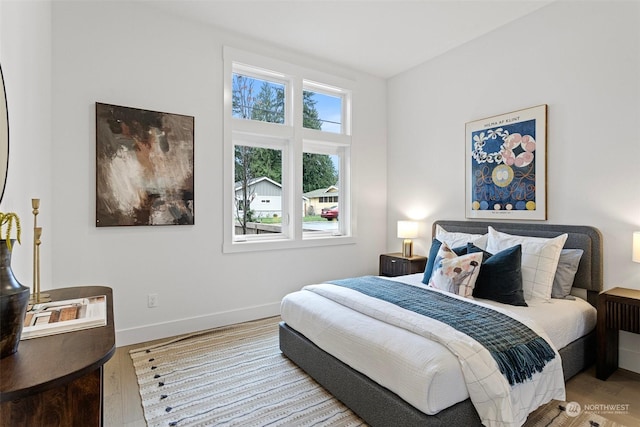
{"x": 293, "y": 139}
{"x": 265, "y": 142}
{"x": 345, "y": 119}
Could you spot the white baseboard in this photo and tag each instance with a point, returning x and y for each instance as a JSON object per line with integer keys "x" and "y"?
{"x": 192, "y": 324}
{"x": 629, "y": 352}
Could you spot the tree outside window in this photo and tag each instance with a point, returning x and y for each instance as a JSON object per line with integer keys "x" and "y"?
{"x": 262, "y": 100}
{"x": 287, "y": 141}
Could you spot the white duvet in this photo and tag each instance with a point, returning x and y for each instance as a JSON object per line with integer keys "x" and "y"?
{"x": 427, "y": 363}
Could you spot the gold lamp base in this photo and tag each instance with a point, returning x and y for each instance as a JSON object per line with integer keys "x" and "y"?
{"x": 407, "y": 248}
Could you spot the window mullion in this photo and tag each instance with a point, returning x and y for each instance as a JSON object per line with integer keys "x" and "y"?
{"x": 296, "y": 154}
{"x": 261, "y": 128}
{"x": 345, "y": 191}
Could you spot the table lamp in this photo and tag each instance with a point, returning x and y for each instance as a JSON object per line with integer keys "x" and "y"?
{"x": 636, "y": 247}
{"x": 407, "y": 230}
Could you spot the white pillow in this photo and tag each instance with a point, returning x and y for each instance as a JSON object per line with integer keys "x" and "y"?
{"x": 454, "y": 240}
{"x": 455, "y": 274}
{"x": 539, "y": 260}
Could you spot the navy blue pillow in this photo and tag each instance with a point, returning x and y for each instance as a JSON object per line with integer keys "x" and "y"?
{"x": 435, "y": 247}
{"x": 433, "y": 252}
{"x": 500, "y": 277}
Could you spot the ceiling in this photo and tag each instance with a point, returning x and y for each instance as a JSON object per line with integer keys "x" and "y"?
{"x": 382, "y": 38}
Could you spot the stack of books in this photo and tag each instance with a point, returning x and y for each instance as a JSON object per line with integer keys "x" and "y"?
{"x": 58, "y": 317}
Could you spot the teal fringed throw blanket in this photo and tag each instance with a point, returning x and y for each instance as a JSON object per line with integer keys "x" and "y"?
{"x": 518, "y": 351}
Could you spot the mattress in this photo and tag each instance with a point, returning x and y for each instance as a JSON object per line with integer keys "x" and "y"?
{"x": 422, "y": 372}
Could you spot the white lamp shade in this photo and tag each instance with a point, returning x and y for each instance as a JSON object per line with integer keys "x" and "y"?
{"x": 636, "y": 247}
{"x": 407, "y": 229}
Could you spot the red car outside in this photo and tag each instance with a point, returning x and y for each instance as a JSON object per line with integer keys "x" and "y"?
{"x": 330, "y": 213}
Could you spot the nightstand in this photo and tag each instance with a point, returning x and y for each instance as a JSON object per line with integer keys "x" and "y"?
{"x": 618, "y": 310}
{"x": 59, "y": 379}
{"x": 397, "y": 265}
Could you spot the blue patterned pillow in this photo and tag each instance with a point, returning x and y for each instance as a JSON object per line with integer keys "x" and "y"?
{"x": 433, "y": 253}
{"x": 453, "y": 273}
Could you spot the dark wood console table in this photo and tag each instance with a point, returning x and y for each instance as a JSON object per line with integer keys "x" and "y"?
{"x": 57, "y": 380}
{"x": 618, "y": 310}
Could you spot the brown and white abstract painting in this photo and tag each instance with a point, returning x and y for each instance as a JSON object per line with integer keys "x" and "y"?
{"x": 144, "y": 167}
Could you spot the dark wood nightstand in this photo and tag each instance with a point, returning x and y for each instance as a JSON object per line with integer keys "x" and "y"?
{"x": 58, "y": 379}
{"x": 618, "y": 310}
{"x": 397, "y": 265}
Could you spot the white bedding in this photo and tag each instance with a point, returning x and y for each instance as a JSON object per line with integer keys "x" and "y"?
{"x": 564, "y": 321}
{"x": 422, "y": 372}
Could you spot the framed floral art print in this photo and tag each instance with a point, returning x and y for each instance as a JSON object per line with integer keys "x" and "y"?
{"x": 506, "y": 166}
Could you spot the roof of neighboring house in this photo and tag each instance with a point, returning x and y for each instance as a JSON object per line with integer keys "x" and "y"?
{"x": 254, "y": 181}
{"x": 321, "y": 192}
{"x": 238, "y": 185}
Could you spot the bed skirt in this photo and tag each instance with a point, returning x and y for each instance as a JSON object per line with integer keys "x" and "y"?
{"x": 380, "y": 407}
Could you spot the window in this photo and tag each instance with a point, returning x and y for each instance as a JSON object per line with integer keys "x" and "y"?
{"x": 322, "y": 111}
{"x": 287, "y": 155}
{"x": 258, "y": 173}
{"x": 258, "y": 99}
{"x": 332, "y": 199}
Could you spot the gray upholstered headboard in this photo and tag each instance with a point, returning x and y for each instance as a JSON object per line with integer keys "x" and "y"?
{"x": 589, "y": 239}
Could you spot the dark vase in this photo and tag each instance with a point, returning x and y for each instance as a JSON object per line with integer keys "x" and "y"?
{"x": 14, "y": 299}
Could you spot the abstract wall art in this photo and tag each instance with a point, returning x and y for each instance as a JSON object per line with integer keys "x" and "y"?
{"x": 506, "y": 166}
{"x": 144, "y": 167}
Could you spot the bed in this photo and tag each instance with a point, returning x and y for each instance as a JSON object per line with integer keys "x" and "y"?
{"x": 384, "y": 405}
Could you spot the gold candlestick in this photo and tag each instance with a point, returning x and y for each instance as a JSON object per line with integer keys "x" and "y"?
{"x": 35, "y": 204}
{"x": 36, "y": 296}
{"x": 38, "y": 234}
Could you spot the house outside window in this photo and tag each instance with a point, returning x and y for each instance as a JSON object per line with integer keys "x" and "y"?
{"x": 318, "y": 199}
{"x": 287, "y": 140}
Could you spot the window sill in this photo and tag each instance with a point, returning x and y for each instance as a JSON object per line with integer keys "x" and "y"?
{"x": 309, "y": 242}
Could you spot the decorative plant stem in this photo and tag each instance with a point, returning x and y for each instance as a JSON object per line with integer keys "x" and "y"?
{"x": 9, "y": 219}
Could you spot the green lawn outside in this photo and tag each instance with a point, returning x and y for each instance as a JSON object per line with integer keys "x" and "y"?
{"x": 278, "y": 220}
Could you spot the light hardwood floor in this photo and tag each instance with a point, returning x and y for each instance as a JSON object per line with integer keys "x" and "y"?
{"x": 123, "y": 405}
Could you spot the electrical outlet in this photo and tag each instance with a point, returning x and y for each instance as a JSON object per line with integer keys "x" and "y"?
{"x": 152, "y": 300}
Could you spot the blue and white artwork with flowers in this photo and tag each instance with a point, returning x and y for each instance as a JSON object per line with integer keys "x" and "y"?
{"x": 506, "y": 165}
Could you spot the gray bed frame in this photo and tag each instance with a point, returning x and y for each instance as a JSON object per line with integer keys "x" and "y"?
{"x": 380, "y": 407}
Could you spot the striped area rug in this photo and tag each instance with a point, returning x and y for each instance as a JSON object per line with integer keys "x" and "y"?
{"x": 232, "y": 376}
{"x": 237, "y": 376}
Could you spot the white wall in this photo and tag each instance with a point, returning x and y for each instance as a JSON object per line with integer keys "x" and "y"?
{"x": 582, "y": 59}
{"x": 126, "y": 53}
{"x": 25, "y": 55}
